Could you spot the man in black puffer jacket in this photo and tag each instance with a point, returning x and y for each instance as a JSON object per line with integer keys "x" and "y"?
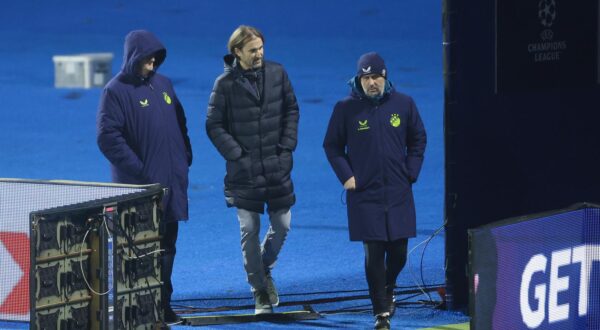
{"x": 252, "y": 120}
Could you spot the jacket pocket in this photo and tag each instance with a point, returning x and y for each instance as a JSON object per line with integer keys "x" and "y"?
{"x": 286, "y": 161}
{"x": 359, "y": 185}
{"x": 398, "y": 172}
{"x": 239, "y": 171}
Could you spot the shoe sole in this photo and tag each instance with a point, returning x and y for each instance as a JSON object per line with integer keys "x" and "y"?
{"x": 263, "y": 311}
{"x": 275, "y": 304}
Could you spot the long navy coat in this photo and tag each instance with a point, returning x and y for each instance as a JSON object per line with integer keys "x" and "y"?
{"x": 380, "y": 143}
{"x": 141, "y": 127}
{"x": 256, "y": 136}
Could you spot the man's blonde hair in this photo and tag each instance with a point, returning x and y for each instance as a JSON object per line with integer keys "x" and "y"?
{"x": 241, "y": 36}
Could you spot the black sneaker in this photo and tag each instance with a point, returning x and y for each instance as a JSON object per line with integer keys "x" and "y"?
{"x": 171, "y": 317}
{"x": 262, "y": 304}
{"x": 272, "y": 291}
{"x": 382, "y": 321}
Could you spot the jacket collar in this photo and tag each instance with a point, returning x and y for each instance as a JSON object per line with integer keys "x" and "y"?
{"x": 232, "y": 66}
{"x": 357, "y": 92}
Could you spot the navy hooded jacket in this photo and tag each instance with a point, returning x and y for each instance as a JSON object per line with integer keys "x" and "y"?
{"x": 381, "y": 143}
{"x": 141, "y": 126}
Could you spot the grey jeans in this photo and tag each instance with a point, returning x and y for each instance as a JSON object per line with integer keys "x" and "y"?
{"x": 260, "y": 258}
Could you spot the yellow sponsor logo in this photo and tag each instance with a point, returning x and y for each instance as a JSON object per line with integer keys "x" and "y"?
{"x": 363, "y": 125}
{"x": 144, "y": 103}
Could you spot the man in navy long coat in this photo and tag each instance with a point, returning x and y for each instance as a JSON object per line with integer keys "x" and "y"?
{"x": 375, "y": 143}
{"x": 141, "y": 129}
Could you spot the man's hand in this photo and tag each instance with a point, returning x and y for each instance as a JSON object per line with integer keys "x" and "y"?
{"x": 350, "y": 184}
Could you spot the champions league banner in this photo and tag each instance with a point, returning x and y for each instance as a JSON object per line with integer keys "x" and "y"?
{"x": 522, "y": 94}
{"x": 537, "y": 272}
{"x": 546, "y": 44}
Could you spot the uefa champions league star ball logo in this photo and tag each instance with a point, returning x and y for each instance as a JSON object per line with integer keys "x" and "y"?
{"x": 547, "y": 12}
{"x": 547, "y": 49}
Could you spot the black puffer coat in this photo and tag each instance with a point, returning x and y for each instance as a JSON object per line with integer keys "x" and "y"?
{"x": 255, "y": 135}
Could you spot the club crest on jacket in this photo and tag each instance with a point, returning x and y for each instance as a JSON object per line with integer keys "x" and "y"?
{"x": 395, "y": 120}
{"x": 167, "y": 97}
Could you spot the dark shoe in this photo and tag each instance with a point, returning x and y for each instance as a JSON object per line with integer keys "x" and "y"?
{"x": 262, "y": 304}
{"x": 171, "y": 317}
{"x": 382, "y": 321}
{"x": 272, "y": 291}
{"x": 391, "y": 299}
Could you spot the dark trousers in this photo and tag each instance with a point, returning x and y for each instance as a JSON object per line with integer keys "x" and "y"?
{"x": 383, "y": 263}
{"x": 169, "y": 238}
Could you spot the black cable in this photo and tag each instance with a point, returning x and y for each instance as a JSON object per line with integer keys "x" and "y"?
{"x": 435, "y": 233}
{"x": 421, "y": 266}
{"x": 136, "y": 252}
{"x": 404, "y": 289}
{"x": 412, "y": 292}
{"x": 368, "y": 308}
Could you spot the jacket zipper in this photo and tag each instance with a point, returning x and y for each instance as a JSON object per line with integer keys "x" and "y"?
{"x": 382, "y": 159}
{"x": 383, "y": 172}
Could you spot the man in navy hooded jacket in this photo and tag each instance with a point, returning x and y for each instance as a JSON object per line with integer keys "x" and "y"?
{"x": 375, "y": 144}
{"x": 141, "y": 129}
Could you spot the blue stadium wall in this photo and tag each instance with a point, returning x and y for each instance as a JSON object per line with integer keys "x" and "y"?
{"x": 522, "y": 110}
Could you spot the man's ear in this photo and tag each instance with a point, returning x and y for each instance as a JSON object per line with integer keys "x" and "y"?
{"x": 237, "y": 52}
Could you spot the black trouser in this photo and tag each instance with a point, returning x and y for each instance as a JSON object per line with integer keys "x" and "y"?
{"x": 169, "y": 238}
{"x": 383, "y": 263}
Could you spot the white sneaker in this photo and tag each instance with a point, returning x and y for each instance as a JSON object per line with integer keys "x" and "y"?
{"x": 272, "y": 291}
{"x": 262, "y": 305}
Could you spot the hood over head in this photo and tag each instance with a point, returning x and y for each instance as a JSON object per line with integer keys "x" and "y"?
{"x": 140, "y": 44}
